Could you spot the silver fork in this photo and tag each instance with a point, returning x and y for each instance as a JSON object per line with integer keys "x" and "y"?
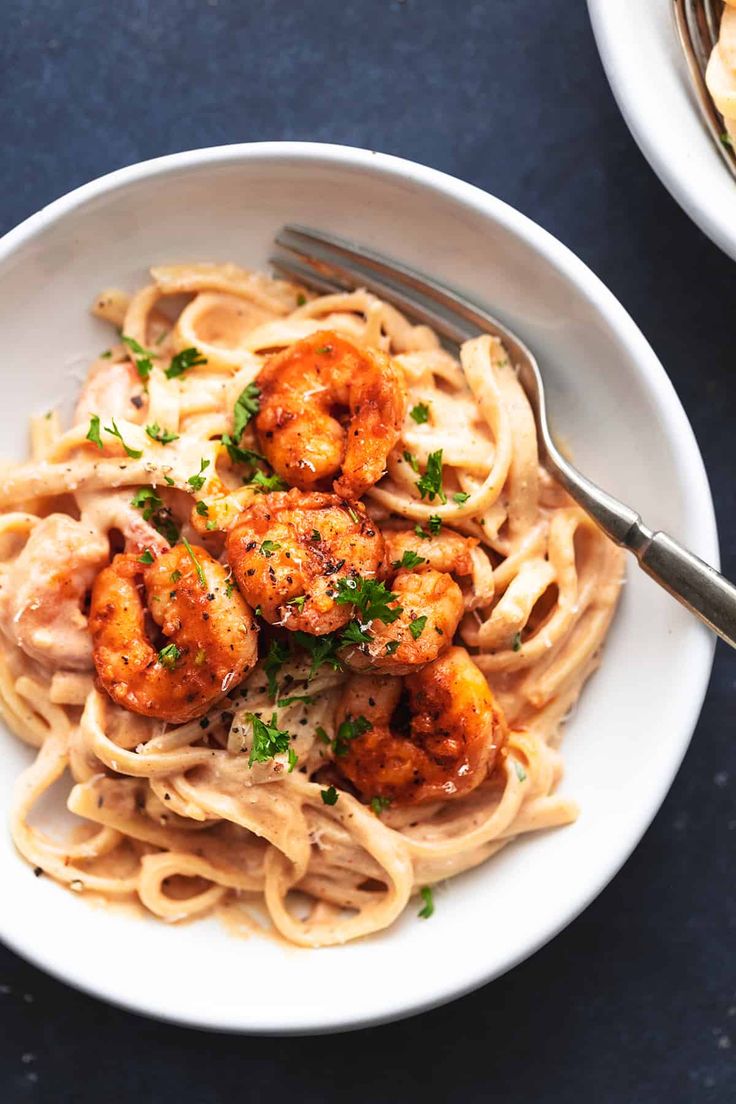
{"x": 697, "y": 23}
{"x": 329, "y": 264}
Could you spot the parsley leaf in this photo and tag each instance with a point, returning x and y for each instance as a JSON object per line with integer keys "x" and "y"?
{"x": 378, "y": 804}
{"x": 246, "y": 406}
{"x": 321, "y": 649}
{"x": 316, "y": 536}
{"x": 355, "y": 634}
{"x": 520, "y": 772}
{"x": 168, "y": 656}
{"x": 268, "y": 548}
{"x": 301, "y": 299}
{"x": 277, "y": 656}
{"x": 460, "y": 497}
{"x": 392, "y": 647}
{"x": 369, "y": 597}
{"x": 195, "y": 561}
{"x": 187, "y": 358}
{"x": 416, "y": 627}
{"x": 146, "y": 557}
{"x": 299, "y": 601}
{"x": 409, "y": 559}
{"x": 143, "y": 362}
{"x": 93, "y": 433}
{"x": 411, "y": 461}
{"x": 430, "y": 484}
{"x": 196, "y": 482}
{"x": 268, "y": 739}
{"x": 240, "y": 455}
{"x": 434, "y": 522}
{"x": 134, "y": 454}
{"x": 308, "y": 699}
{"x": 293, "y": 759}
{"x": 426, "y": 911}
{"x": 420, "y": 413}
{"x": 322, "y": 735}
{"x": 163, "y": 436}
{"x": 267, "y": 483}
{"x": 349, "y": 730}
{"x": 330, "y": 795}
{"x": 147, "y": 500}
{"x": 202, "y": 509}
{"x": 516, "y": 642}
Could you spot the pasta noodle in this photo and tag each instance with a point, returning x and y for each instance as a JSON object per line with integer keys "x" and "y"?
{"x": 177, "y": 815}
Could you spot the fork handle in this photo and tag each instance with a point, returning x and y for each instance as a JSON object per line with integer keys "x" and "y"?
{"x": 694, "y": 583}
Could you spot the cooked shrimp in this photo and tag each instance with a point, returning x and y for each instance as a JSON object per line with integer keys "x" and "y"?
{"x": 438, "y": 743}
{"x": 431, "y": 605}
{"x": 288, "y": 549}
{"x": 447, "y": 551}
{"x": 113, "y": 389}
{"x": 211, "y": 633}
{"x": 326, "y": 407}
{"x": 42, "y": 595}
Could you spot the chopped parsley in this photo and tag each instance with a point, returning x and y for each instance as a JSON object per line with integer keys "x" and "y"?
{"x": 196, "y": 482}
{"x": 187, "y": 358}
{"x": 353, "y": 515}
{"x": 392, "y": 647}
{"x": 277, "y": 656}
{"x": 411, "y": 461}
{"x": 93, "y": 433}
{"x": 195, "y": 561}
{"x": 520, "y": 772}
{"x": 369, "y": 597}
{"x": 134, "y": 454}
{"x": 355, "y": 633}
{"x": 301, "y": 299}
{"x": 202, "y": 509}
{"x": 416, "y": 627}
{"x": 379, "y": 804}
{"x": 146, "y": 557}
{"x": 430, "y": 484}
{"x": 516, "y": 642}
{"x": 324, "y": 349}
{"x": 420, "y": 413}
{"x": 240, "y": 455}
{"x": 143, "y": 361}
{"x": 293, "y": 759}
{"x": 460, "y": 497}
{"x": 163, "y": 436}
{"x": 428, "y": 908}
{"x": 175, "y": 576}
{"x": 265, "y": 484}
{"x": 268, "y": 548}
{"x": 299, "y": 602}
{"x": 322, "y": 735}
{"x": 434, "y": 523}
{"x": 408, "y": 560}
{"x": 350, "y": 729}
{"x": 726, "y": 139}
{"x": 106, "y": 355}
{"x": 330, "y": 795}
{"x": 308, "y": 699}
{"x": 321, "y": 649}
{"x": 246, "y": 406}
{"x": 316, "y": 536}
{"x": 268, "y": 739}
{"x": 168, "y": 656}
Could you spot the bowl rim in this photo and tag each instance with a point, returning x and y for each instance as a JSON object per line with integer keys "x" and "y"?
{"x": 710, "y": 218}
{"x": 691, "y": 476}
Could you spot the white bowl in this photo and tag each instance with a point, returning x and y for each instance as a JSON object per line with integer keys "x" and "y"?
{"x": 616, "y": 408}
{"x": 642, "y": 57}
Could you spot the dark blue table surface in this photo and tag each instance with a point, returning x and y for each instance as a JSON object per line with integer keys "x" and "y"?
{"x": 636, "y": 1001}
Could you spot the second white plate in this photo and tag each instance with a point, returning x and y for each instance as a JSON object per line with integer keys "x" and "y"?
{"x": 641, "y": 55}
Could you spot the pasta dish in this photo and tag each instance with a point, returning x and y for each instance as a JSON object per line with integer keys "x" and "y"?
{"x": 292, "y": 607}
{"x": 720, "y": 75}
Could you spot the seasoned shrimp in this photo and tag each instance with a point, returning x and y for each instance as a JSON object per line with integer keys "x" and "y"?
{"x": 113, "y": 389}
{"x": 287, "y": 550}
{"x": 447, "y": 551}
{"x": 43, "y": 593}
{"x": 212, "y": 637}
{"x": 438, "y": 742}
{"x": 430, "y": 605}
{"x": 326, "y": 407}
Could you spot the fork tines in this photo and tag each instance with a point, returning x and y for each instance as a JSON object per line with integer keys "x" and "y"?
{"x": 331, "y": 264}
